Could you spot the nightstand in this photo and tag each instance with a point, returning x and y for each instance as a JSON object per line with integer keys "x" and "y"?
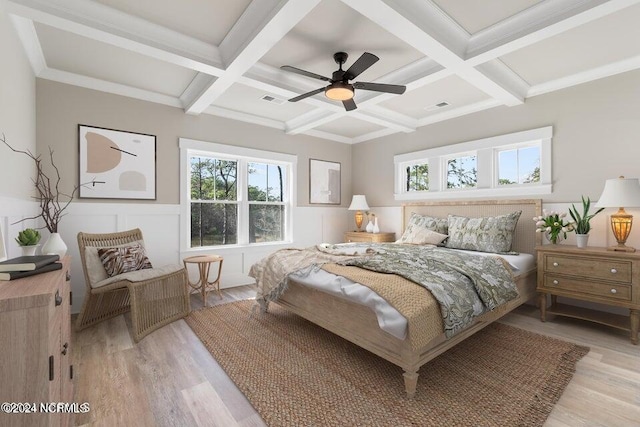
{"x": 590, "y": 274}
{"x": 356, "y": 236}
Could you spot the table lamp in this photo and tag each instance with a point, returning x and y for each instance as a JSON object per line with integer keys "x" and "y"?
{"x": 617, "y": 193}
{"x": 359, "y": 204}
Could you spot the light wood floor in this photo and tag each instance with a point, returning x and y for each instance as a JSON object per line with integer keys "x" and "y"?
{"x": 170, "y": 379}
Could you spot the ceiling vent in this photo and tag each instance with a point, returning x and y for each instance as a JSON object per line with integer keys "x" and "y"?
{"x": 270, "y": 98}
{"x": 437, "y": 106}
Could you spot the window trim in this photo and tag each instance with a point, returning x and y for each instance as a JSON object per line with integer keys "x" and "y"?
{"x": 191, "y": 147}
{"x": 486, "y": 151}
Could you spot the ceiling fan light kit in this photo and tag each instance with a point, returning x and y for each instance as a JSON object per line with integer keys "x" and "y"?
{"x": 339, "y": 91}
{"x": 339, "y": 88}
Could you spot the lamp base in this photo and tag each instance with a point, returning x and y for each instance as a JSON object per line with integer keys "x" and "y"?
{"x": 621, "y": 248}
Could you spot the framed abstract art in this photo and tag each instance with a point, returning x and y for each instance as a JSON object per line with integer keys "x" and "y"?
{"x": 324, "y": 182}
{"x": 115, "y": 164}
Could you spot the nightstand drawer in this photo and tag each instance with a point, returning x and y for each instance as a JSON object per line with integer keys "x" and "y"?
{"x": 613, "y": 292}
{"x": 361, "y": 237}
{"x": 607, "y": 269}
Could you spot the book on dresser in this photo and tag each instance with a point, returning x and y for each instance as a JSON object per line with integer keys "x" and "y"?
{"x": 26, "y": 263}
{"x": 12, "y": 275}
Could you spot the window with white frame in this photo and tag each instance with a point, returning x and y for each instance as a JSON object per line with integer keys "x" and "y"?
{"x": 519, "y": 165}
{"x": 516, "y": 164}
{"x": 235, "y": 196}
{"x": 417, "y": 177}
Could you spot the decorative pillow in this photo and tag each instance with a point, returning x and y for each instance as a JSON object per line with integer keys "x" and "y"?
{"x": 423, "y": 236}
{"x": 486, "y": 234}
{"x": 95, "y": 269}
{"x": 124, "y": 259}
{"x": 417, "y": 226}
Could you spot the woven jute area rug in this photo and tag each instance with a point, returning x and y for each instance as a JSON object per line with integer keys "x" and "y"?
{"x": 297, "y": 374}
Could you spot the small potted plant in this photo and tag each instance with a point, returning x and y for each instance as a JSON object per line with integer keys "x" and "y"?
{"x": 28, "y": 240}
{"x": 582, "y": 222}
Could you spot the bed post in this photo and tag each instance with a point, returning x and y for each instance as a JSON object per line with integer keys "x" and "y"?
{"x": 410, "y": 382}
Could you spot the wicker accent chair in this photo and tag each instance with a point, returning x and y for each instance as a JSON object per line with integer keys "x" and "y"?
{"x": 156, "y": 297}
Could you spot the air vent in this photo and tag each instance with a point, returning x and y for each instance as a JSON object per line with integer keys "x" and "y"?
{"x": 270, "y": 98}
{"x": 437, "y": 106}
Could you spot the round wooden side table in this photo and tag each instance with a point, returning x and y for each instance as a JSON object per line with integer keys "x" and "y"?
{"x": 203, "y": 285}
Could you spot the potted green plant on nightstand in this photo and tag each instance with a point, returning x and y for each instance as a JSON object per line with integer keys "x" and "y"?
{"x": 28, "y": 240}
{"x": 582, "y": 222}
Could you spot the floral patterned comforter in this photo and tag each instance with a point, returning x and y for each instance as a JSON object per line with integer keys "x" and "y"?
{"x": 465, "y": 285}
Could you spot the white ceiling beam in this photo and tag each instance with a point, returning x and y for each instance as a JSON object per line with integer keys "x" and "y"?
{"x": 29, "y": 38}
{"x": 537, "y": 23}
{"x": 428, "y": 29}
{"x": 108, "y": 87}
{"x": 373, "y": 135}
{"x": 107, "y": 25}
{"x": 329, "y": 136}
{"x": 260, "y": 27}
{"x": 586, "y": 76}
{"x": 244, "y": 117}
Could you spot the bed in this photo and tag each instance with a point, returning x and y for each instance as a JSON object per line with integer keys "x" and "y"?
{"x": 360, "y": 324}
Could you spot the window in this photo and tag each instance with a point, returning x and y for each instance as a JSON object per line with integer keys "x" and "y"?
{"x": 214, "y": 201}
{"x": 519, "y": 165}
{"x": 267, "y": 183}
{"x": 417, "y": 177}
{"x": 516, "y": 164}
{"x": 462, "y": 172}
{"x": 235, "y": 196}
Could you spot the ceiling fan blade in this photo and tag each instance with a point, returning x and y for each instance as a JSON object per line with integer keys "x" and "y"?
{"x": 306, "y": 95}
{"x": 380, "y": 87}
{"x": 365, "y": 61}
{"x": 349, "y": 104}
{"x": 305, "y": 73}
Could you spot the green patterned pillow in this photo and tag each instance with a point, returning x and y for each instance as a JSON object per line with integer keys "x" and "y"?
{"x": 418, "y": 223}
{"x": 486, "y": 234}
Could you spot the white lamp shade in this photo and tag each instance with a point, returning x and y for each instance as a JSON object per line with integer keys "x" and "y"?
{"x": 620, "y": 193}
{"x": 359, "y": 203}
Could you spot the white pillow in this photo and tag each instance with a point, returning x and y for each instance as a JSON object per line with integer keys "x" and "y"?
{"x": 422, "y": 236}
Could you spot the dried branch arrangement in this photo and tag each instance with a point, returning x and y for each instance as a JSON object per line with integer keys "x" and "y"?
{"x": 48, "y": 191}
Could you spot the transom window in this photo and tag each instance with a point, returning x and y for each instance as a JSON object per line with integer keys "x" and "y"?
{"x": 519, "y": 165}
{"x": 417, "y": 177}
{"x": 462, "y": 172}
{"x": 507, "y": 165}
{"x": 234, "y": 195}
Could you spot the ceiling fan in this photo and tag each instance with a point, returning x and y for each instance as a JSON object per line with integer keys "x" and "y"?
{"x": 339, "y": 88}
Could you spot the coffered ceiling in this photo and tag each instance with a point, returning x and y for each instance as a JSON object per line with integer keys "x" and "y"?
{"x": 223, "y": 57}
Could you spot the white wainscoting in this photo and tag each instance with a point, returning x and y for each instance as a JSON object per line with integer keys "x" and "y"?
{"x": 160, "y": 225}
{"x": 12, "y": 211}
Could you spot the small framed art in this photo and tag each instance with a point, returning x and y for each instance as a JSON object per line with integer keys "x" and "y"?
{"x": 324, "y": 182}
{"x": 116, "y": 164}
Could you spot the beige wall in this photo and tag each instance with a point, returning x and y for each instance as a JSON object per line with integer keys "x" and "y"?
{"x": 61, "y": 107}
{"x": 17, "y": 114}
{"x": 596, "y": 136}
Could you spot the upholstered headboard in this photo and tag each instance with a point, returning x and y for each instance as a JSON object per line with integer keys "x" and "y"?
{"x": 525, "y": 237}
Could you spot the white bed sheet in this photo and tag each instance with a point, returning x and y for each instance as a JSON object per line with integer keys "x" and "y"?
{"x": 389, "y": 319}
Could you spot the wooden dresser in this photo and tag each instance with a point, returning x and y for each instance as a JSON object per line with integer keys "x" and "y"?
{"x": 356, "y": 236}
{"x": 35, "y": 347}
{"x": 590, "y": 274}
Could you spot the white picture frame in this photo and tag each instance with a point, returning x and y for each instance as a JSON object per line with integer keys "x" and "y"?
{"x": 115, "y": 164}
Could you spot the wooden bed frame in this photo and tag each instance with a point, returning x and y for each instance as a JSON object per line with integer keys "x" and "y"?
{"x": 359, "y": 324}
